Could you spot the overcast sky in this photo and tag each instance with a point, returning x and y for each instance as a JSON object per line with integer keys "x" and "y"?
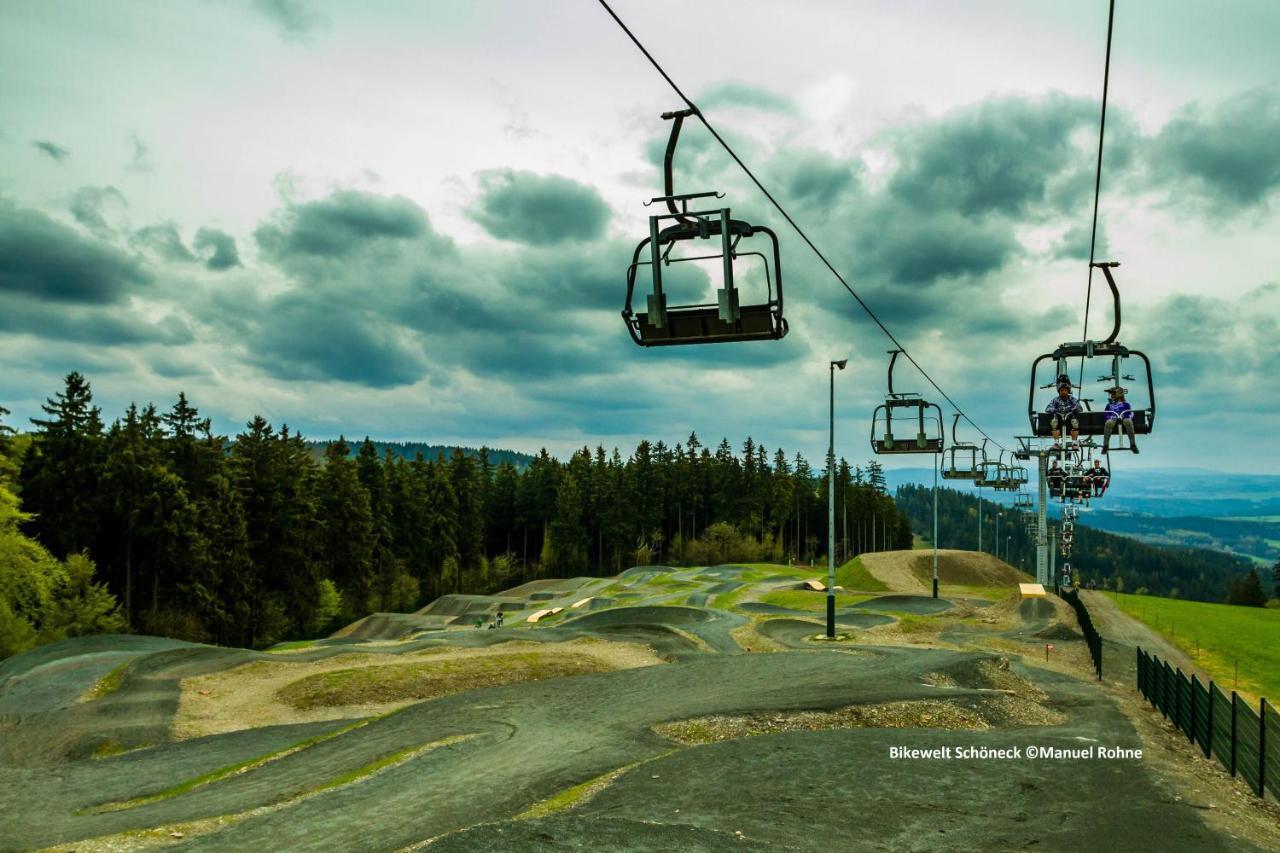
{"x": 413, "y": 219}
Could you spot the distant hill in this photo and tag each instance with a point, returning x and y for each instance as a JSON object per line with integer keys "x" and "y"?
{"x": 1255, "y": 537}
{"x": 1166, "y": 492}
{"x": 1176, "y": 572}
{"x": 410, "y": 449}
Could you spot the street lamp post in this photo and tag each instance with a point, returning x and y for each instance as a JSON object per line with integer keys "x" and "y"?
{"x": 997, "y": 542}
{"x": 831, "y": 504}
{"x": 937, "y": 462}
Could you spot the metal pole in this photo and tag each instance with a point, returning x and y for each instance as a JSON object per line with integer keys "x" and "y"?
{"x": 831, "y": 512}
{"x": 935, "y": 524}
{"x": 979, "y": 519}
{"x": 1042, "y": 533}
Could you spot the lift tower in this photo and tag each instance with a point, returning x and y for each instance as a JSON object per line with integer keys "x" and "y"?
{"x": 1030, "y": 448}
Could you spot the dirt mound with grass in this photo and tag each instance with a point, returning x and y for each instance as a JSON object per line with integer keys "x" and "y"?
{"x": 652, "y": 615}
{"x": 271, "y": 692}
{"x": 912, "y": 571}
{"x": 1059, "y": 632}
{"x": 556, "y": 586}
{"x": 430, "y": 679}
{"x": 919, "y": 604}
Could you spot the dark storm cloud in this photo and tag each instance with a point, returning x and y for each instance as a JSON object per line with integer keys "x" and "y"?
{"x": 914, "y": 248}
{"x": 343, "y": 223}
{"x": 55, "y": 151}
{"x": 538, "y": 210}
{"x": 89, "y": 206}
{"x": 1226, "y": 159}
{"x": 44, "y": 258}
{"x": 816, "y": 177}
{"x": 163, "y": 241}
{"x": 296, "y": 20}
{"x": 218, "y": 248}
{"x": 1074, "y": 244}
{"x": 303, "y": 336}
{"x": 386, "y": 311}
{"x": 733, "y": 93}
{"x": 1224, "y": 349}
{"x": 99, "y": 325}
{"x": 999, "y": 156}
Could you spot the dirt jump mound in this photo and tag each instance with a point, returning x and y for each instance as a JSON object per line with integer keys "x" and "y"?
{"x": 912, "y": 571}
{"x": 918, "y": 604}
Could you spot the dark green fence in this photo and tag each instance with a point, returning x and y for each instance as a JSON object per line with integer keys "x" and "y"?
{"x": 1091, "y": 635}
{"x": 1246, "y": 741}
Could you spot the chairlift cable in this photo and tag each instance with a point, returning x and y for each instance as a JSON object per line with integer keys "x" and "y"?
{"x": 818, "y": 252}
{"x": 1097, "y": 181}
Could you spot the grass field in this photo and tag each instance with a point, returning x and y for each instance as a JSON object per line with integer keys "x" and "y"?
{"x": 854, "y": 575}
{"x": 1223, "y": 634}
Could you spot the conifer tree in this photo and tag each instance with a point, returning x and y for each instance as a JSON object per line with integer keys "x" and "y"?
{"x": 347, "y": 531}
{"x": 61, "y": 471}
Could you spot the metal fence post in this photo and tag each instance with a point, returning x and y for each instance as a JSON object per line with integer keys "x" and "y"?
{"x": 1177, "y": 697}
{"x": 1191, "y": 729}
{"x": 1234, "y": 700}
{"x": 1262, "y": 747}
{"x": 1208, "y": 741}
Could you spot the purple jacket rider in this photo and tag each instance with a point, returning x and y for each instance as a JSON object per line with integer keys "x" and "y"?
{"x": 1117, "y": 409}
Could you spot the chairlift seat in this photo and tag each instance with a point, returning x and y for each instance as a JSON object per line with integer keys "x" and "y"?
{"x": 702, "y": 324}
{"x": 1091, "y": 423}
{"x": 908, "y": 445}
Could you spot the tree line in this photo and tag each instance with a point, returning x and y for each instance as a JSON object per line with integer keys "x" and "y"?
{"x": 252, "y": 539}
{"x": 1113, "y": 561}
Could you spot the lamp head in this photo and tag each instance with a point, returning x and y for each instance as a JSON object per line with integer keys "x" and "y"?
{"x": 841, "y": 363}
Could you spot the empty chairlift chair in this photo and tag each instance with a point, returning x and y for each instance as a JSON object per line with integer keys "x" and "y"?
{"x": 962, "y": 458}
{"x": 713, "y": 235}
{"x": 990, "y": 474}
{"x": 920, "y": 431}
{"x": 1091, "y": 421}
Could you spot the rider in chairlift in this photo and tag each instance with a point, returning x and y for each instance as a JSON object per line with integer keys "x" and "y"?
{"x": 1099, "y": 478}
{"x": 1065, "y": 407}
{"x": 1056, "y": 477}
{"x": 1118, "y": 414}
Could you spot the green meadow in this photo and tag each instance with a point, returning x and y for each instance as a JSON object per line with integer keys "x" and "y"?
{"x": 1218, "y": 637}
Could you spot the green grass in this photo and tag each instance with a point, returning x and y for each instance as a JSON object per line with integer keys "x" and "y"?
{"x": 988, "y": 593}
{"x": 803, "y": 599}
{"x": 854, "y": 575}
{"x": 109, "y": 683}
{"x": 292, "y": 646}
{"x": 225, "y": 771}
{"x": 1224, "y": 634}
{"x": 430, "y": 679}
{"x": 385, "y": 762}
{"x": 579, "y": 794}
{"x": 108, "y": 748}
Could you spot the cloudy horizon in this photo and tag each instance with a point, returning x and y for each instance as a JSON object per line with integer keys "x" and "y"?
{"x": 413, "y": 221}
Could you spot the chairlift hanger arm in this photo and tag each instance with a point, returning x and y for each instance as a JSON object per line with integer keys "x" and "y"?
{"x": 892, "y": 360}
{"x": 1106, "y": 266}
{"x": 676, "y": 117}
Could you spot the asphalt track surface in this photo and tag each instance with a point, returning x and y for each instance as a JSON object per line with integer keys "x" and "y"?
{"x": 835, "y": 789}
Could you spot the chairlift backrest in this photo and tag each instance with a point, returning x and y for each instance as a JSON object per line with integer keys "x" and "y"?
{"x": 924, "y": 427}
{"x": 726, "y": 320}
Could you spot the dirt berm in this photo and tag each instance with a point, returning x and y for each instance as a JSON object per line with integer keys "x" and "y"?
{"x": 912, "y": 571}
